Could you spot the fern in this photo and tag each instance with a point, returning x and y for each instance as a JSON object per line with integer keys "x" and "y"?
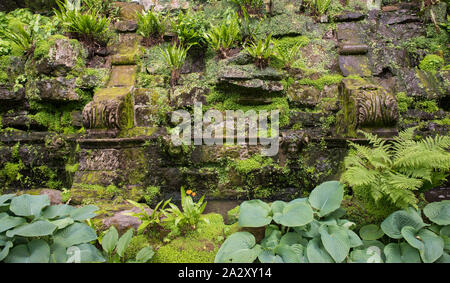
{"x": 388, "y": 176}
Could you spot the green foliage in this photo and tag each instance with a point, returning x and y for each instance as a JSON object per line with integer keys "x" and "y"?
{"x": 174, "y": 56}
{"x": 429, "y": 106}
{"x": 254, "y": 6}
{"x": 190, "y": 28}
{"x": 288, "y": 56}
{"x": 225, "y": 36}
{"x": 414, "y": 240}
{"x": 33, "y": 231}
{"x": 191, "y": 213}
{"x": 386, "y": 176}
{"x": 115, "y": 247}
{"x": 256, "y": 162}
{"x": 102, "y": 7}
{"x": 88, "y": 26}
{"x": 319, "y": 6}
{"x": 261, "y": 51}
{"x": 300, "y": 231}
{"x": 145, "y": 218}
{"x": 404, "y": 102}
{"x": 21, "y": 29}
{"x": 431, "y": 63}
{"x": 151, "y": 25}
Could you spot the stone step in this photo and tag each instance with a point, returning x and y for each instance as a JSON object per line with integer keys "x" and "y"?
{"x": 122, "y": 76}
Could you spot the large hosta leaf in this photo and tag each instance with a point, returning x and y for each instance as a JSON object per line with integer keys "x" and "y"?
{"x": 445, "y": 258}
{"x": 327, "y": 197}
{"x": 291, "y": 238}
{"x": 290, "y": 254}
{"x": 354, "y": 240}
{"x": 371, "y": 232}
{"x": 294, "y": 214}
{"x": 6, "y": 198}
{"x": 238, "y": 248}
{"x": 409, "y": 234}
{"x": 271, "y": 240}
{"x": 36, "y": 251}
{"x": 83, "y": 213}
{"x": 62, "y": 223}
{"x": 438, "y": 212}
{"x": 370, "y": 254}
{"x": 7, "y": 222}
{"x": 254, "y": 213}
{"x": 433, "y": 246}
{"x": 34, "y": 229}
{"x": 268, "y": 256}
{"x": 393, "y": 224}
{"x": 88, "y": 253}
{"x": 57, "y": 211}
{"x": 5, "y": 251}
{"x": 316, "y": 253}
{"x": 401, "y": 253}
{"x": 336, "y": 241}
{"x": 77, "y": 233}
{"x": 28, "y": 205}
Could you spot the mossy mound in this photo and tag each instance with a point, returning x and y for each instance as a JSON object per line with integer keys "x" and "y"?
{"x": 199, "y": 246}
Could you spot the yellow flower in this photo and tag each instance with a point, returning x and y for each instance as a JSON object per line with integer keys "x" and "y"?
{"x": 193, "y": 194}
{"x": 188, "y": 192}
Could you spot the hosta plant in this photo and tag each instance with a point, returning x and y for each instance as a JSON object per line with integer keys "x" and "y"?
{"x": 299, "y": 231}
{"x": 410, "y": 239}
{"x": 389, "y": 176}
{"x": 115, "y": 247}
{"x": 33, "y": 231}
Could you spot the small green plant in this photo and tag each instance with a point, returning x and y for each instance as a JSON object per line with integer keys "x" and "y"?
{"x": 252, "y": 6}
{"x": 319, "y": 7}
{"x": 411, "y": 240}
{"x": 431, "y": 63}
{"x": 145, "y": 218}
{"x": 191, "y": 214}
{"x": 224, "y": 37}
{"x": 289, "y": 56}
{"x": 102, "y": 7}
{"x": 88, "y": 27}
{"x": 190, "y": 28}
{"x": 22, "y": 35}
{"x": 115, "y": 247}
{"x": 152, "y": 26}
{"x": 33, "y": 231}
{"x": 261, "y": 51}
{"x": 174, "y": 56}
{"x": 387, "y": 176}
